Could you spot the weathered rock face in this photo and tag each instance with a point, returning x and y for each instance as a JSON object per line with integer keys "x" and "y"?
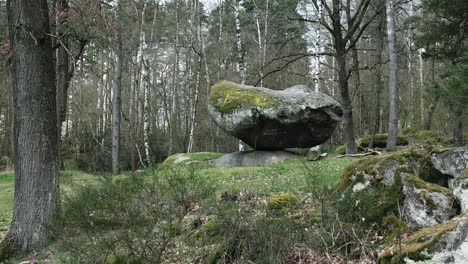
{"x": 400, "y": 182}
{"x": 454, "y": 162}
{"x": 426, "y": 204}
{"x": 253, "y": 158}
{"x": 267, "y": 119}
{"x": 442, "y": 243}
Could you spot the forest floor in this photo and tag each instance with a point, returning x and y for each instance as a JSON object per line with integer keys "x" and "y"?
{"x": 291, "y": 176}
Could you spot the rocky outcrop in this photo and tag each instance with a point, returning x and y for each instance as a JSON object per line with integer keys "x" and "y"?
{"x": 426, "y": 204}
{"x": 399, "y": 183}
{"x": 251, "y": 158}
{"x": 442, "y": 243}
{"x": 454, "y": 162}
{"x": 266, "y": 119}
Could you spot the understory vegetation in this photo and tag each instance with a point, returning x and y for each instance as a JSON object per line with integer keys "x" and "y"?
{"x": 283, "y": 213}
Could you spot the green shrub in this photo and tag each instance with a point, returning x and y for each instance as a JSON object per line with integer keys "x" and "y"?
{"x": 127, "y": 219}
{"x": 340, "y": 150}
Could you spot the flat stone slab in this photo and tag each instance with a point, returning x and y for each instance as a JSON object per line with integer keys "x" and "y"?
{"x": 251, "y": 158}
{"x": 266, "y": 119}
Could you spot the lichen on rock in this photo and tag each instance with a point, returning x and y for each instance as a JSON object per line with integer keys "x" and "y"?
{"x": 426, "y": 204}
{"x": 265, "y": 119}
{"x": 435, "y": 244}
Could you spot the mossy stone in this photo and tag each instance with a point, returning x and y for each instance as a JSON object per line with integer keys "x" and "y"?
{"x": 428, "y": 137}
{"x": 208, "y": 232}
{"x": 380, "y": 141}
{"x": 282, "y": 201}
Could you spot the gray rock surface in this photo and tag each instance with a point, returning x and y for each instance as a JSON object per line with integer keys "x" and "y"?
{"x": 426, "y": 204}
{"x": 251, "y": 158}
{"x": 450, "y": 247}
{"x": 266, "y": 119}
{"x": 454, "y": 162}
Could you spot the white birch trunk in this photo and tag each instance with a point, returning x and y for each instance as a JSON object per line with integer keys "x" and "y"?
{"x": 392, "y": 80}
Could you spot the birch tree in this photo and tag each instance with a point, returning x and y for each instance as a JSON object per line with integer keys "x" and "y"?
{"x": 117, "y": 87}
{"x": 392, "y": 79}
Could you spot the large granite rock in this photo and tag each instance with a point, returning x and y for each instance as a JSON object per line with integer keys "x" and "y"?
{"x": 443, "y": 243}
{"x": 454, "y": 162}
{"x": 267, "y": 119}
{"x": 251, "y": 158}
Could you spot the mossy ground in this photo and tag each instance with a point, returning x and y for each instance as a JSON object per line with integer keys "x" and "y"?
{"x": 6, "y": 199}
{"x": 291, "y": 176}
{"x": 226, "y": 98}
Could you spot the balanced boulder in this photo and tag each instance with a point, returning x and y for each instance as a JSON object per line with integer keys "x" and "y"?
{"x": 296, "y": 117}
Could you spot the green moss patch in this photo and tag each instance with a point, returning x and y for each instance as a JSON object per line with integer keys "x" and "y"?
{"x": 380, "y": 141}
{"x": 430, "y": 187}
{"x": 428, "y": 137}
{"x": 225, "y": 97}
{"x": 341, "y": 150}
{"x": 282, "y": 201}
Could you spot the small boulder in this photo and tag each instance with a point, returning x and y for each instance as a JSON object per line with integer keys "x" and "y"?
{"x": 266, "y": 119}
{"x": 314, "y": 153}
{"x": 251, "y": 158}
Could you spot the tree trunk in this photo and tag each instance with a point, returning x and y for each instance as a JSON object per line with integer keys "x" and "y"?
{"x": 240, "y": 52}
{"x": 377, "y": 82}
{"x": 63, "y": 76}
{"x": 392, "y": 80}
{"x": 36, "y": 156}
{"x": 116, "y": 100}
{"x": 458, "y": 127}
{"x": 340, "y": 56}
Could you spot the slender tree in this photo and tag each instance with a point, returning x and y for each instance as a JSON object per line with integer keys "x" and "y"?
{"x": 392, "y": 79}
{"x": 116, "y": 100}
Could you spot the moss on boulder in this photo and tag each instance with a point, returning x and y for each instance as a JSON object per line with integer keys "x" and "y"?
{"x": 377, "y": 183}
{"x": 199, "y": 158}
{"x": 423, "y": 244}
{"x": 380, "y": 141}
{"x": 428, "y": 137}
{"x": 225, "y": 97}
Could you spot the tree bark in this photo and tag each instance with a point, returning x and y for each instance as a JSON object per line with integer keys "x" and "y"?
{"x": 458, "y": 127}
{"x": 392, "y": 80}
{"x": 116, "y": 100}
{"x": 340, "y": 56}
{"x": 35, "y": 141}
{"x": 378, "y": 81}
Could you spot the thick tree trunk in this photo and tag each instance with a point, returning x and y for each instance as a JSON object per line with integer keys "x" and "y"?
{"x": 34, "y": 95}
{"x": 116, "y": 100}
{"x": 392, "y": 80}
